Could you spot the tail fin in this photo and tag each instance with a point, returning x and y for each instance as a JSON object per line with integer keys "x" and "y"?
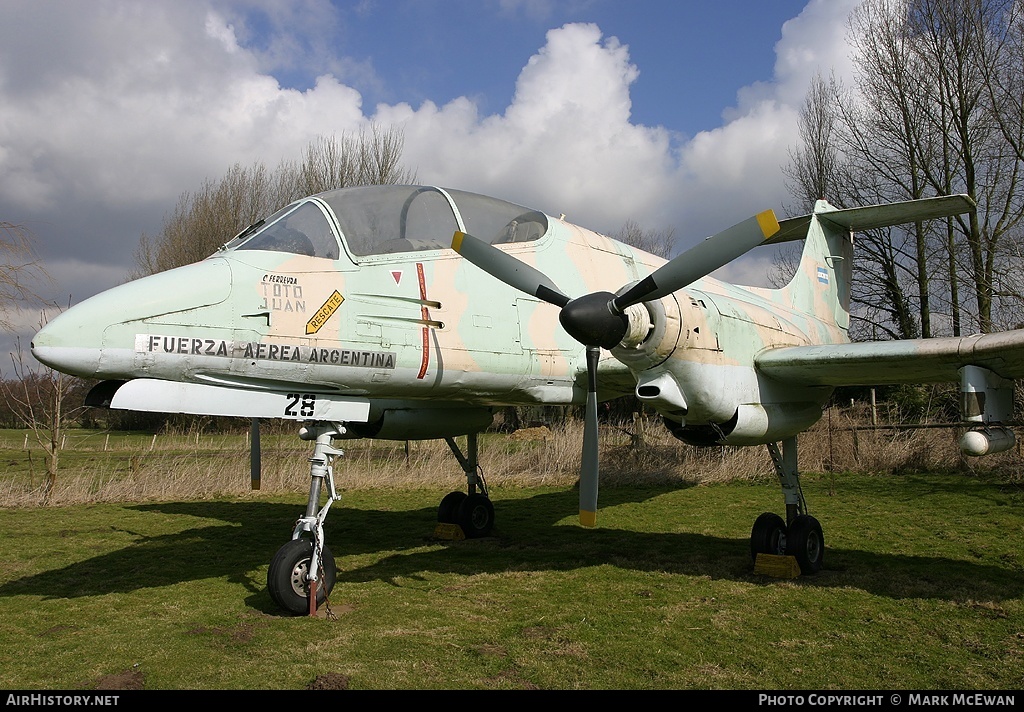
{"x": 821, "y": 285}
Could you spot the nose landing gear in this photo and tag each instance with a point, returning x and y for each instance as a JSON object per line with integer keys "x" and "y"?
{"x": 302, "y": 572}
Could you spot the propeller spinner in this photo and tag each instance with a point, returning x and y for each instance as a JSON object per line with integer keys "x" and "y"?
{"x": 598, "y": 320}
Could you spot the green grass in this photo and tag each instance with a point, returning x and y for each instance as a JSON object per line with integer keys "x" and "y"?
{"x": 923, "y": 588}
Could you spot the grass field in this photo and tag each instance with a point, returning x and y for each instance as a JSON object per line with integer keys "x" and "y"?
{"x": 923, "y": 588}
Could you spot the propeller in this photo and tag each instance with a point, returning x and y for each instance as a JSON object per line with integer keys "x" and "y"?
{"x": 255, "y": 466}
{"x": 598, "y": 320}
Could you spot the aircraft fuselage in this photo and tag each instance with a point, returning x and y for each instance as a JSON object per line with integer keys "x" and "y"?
{"x": 425, "y": 325}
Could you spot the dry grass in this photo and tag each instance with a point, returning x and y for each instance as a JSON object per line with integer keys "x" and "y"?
{"x": 193, "y": 467}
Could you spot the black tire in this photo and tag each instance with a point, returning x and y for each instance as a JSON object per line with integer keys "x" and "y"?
{"x": 448, "y": 510}
{"x": 806, "y": 542}
{"x": 768, "y": 535}
{"x": 476, "y": 516}
{"x": 286, "y": 577}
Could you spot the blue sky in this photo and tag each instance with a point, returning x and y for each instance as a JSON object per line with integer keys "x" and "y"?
{"x": 692, "y": 56}
{"x": 674, "y": 115}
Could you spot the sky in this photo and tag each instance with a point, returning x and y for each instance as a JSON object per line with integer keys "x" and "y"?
{"x": 672, "y": 114}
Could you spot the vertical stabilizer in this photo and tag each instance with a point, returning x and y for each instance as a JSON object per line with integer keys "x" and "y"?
{"x": 821, "y": 285}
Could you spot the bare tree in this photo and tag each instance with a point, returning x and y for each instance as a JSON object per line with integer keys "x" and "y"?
{"x": 38, "y": 397}
{"x": 887, "y": 133}
{"x": 836, "y": 130}
{"x": 204, "y": 220}
{"x": 972, "y": 45}
{"x": 656, "y": 242}
{"x": 936, "y": 109}
{"x": 20, "y": 271}
{"x": 814, "y": 167}
{"x": 368, "y": 158}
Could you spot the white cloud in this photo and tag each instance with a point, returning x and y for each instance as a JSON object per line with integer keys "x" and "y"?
{"x": 146, "y": 99}
{"x": 565, "y": 143}
{"x": 223, "y": 32}
{"x": 736, "y": 170}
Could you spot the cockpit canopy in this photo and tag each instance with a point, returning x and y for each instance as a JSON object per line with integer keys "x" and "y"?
{"x": 386, "y": 219}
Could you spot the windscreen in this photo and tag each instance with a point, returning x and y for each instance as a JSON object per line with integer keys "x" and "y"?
{"x": 303, "y": 230}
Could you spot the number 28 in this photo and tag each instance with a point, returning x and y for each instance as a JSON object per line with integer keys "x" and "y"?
{"x": 300, "y": 405}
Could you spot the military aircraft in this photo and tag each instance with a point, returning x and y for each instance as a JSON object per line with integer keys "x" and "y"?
{"x": 412, "y": 312}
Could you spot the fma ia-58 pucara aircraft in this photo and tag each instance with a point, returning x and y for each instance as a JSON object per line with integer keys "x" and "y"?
{"x": 411, "y": 312}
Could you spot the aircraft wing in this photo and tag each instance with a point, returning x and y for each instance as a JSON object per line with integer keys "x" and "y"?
{"x": 877, "y": 363}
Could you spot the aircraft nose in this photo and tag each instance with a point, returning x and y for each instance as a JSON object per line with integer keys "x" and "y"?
{"x": 85, "y": 341}
{"x": 59, "y": 344}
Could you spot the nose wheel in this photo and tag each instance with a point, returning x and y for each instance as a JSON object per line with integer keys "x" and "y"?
{"x": 288, "y": 575}
{"x": 305, "y": 565}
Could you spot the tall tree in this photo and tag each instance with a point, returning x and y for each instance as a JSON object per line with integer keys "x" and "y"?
{"x": 971, "y": 45}
{"x": 935, "y": 108}
{"x": 814, "y": 168}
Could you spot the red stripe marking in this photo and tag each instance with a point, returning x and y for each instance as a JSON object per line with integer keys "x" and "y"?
{"x": 424, "y": 314}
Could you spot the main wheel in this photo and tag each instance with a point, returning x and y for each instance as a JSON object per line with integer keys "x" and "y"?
{"x": 768, "y": 535}
{"x": 287, "y": 577}
{"x": 805, "y": 541}
{"x": 448, "y": 510}
{"x": 476, "y": 516}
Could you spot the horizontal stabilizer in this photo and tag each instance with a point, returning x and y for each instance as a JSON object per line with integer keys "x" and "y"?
{"x": 155, "y": 396}
{"x": 871, "y": 217}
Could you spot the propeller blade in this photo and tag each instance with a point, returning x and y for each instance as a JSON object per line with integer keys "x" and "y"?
{"x": 255, "y": 466}
{"x": 589, "y": 467}
{"x": 703, "y": 259}
{"x": 508, "y": 269}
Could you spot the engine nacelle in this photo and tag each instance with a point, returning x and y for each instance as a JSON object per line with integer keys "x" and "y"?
{"x": 986, "y": 441}
{"x": 751, "y": 424}
{"x": 416, "y": 423}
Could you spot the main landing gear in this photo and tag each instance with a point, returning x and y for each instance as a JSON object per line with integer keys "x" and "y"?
{"x": 799, "y": 535}
{"x": 303, "y": 571}
{"x": 472, "y": 511}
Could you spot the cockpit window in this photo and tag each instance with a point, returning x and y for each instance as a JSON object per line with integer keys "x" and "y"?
{"x": 378, "y": 220}
{"x": 301, "y": 230}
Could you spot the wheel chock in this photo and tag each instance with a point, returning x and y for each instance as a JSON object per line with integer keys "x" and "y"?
{"x": 449, "y": 532}
{"x": 777, "y": 566}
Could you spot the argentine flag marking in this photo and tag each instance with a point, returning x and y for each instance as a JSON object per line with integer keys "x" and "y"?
{"x": 823, "y": 275}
